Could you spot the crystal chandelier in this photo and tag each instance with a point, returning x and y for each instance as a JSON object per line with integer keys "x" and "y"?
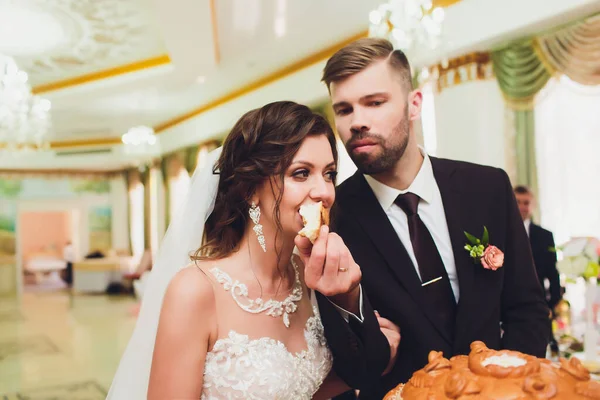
{"x": 410, "y": 25}
{"x": 25, "y": 121}
{"x": 140, "y": 140}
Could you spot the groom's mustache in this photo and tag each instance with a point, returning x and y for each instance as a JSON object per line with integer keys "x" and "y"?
{"x": 362, "y": 139}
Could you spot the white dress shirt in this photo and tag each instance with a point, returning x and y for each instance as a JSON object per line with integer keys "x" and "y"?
{"x": 527, "y": 224}
{"x": 430, "y": 210}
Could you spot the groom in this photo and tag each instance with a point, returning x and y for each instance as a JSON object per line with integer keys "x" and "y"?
{"x": 403, "y": 216}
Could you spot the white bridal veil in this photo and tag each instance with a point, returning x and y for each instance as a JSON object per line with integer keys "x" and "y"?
{"x": 183, "y": 237}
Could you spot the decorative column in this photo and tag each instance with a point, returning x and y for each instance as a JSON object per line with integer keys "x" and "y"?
{"x": 469, "y": 110}
{"x": 145, "y": 177}
{"x": 120, "y": 212}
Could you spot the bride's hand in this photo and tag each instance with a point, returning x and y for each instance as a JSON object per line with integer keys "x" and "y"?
{"x": 392, "y": 334}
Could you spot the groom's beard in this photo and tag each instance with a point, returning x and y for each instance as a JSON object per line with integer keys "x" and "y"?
{"x": 391, "y": 150}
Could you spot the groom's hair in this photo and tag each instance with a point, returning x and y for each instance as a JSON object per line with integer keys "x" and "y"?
{"x": 361, "y": 54}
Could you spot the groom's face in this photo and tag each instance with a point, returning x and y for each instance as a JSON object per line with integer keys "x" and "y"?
{"x": 372, "y": 117}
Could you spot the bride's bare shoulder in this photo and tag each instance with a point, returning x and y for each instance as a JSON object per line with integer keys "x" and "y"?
{"x": 191, "y": 287}
{"x": 187, "y": 317}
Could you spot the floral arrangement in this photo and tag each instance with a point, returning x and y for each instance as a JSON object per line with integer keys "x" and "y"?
{"x": 580, "y": 258}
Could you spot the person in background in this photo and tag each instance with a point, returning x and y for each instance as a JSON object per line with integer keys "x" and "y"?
{"x": 69, "y": 257}
{"x": 542, "y": 245}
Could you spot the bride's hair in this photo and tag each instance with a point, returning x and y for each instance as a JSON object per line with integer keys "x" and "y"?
{"x": 261, "y": 146}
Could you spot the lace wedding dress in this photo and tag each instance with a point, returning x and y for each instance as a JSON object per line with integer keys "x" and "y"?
{"x": 239, "y": 367}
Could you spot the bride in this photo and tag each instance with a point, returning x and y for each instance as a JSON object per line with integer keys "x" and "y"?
{"x": 239, "y": 322}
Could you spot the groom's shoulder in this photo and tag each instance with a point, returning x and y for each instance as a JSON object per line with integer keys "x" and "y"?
{"x": 470, "y": 173}
{"x": 348, "y": 188}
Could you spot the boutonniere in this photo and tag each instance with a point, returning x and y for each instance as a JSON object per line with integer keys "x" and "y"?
{"x": 480, "y": 250}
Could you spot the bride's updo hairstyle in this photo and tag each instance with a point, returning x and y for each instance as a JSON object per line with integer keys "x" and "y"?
{"x": 259, "y": 148}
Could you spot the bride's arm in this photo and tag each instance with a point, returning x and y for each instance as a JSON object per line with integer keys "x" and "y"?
{"x": 331, "y": 387}
{"x": 182, "y": 340}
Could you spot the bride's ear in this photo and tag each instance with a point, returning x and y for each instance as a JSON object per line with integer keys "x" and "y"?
{"x": 253, "y": 200}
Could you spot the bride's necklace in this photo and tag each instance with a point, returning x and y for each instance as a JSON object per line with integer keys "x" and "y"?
{"x": 274, "y": 308}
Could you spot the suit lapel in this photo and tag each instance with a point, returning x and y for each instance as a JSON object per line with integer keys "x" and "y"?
{"x": 366, "y": 208}
{"x": 457, "y": 218}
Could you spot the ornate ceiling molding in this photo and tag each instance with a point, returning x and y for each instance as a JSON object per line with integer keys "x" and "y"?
{"x": 79, "y": 37}
{"x": 466, "y": 68}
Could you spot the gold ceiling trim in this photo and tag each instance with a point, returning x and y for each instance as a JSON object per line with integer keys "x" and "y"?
{"x": 270, "y": 78}
{"x": 66, "y": 144}
{"x": 477, "y": 57}
{"x": 444, "y": 3}
{"x": 104, "y": 74}
{"x": 58, "y": 173}
{"x": 466, "y": 68}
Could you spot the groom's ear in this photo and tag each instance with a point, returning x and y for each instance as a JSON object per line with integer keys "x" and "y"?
{"x": 415, "y": 102}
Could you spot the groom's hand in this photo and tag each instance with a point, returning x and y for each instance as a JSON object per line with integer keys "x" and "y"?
{"x": 391, "y": 332}
{"x": 330, "y": 269}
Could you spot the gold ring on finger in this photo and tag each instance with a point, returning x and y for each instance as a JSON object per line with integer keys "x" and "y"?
{"x": 342, "y": 269}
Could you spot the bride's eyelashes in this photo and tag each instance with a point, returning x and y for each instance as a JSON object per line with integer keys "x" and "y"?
{"x": 303, "y": 174}
{"x": 332, "y": 175}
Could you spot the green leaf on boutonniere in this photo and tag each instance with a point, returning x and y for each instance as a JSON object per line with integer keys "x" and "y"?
{"x": 474, "y": 241}
{"x": 485, "y": 240}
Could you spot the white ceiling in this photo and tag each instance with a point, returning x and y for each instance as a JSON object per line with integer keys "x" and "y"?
{"x": 60, "y": 39}
{"x": 215, "y": 47}
{"x": 248, "y": 46}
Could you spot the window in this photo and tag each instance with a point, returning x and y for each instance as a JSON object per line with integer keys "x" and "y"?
{"x": 567, "y": 134}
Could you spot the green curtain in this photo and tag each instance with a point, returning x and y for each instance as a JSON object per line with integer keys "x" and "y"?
{"x": 127, "y": 177}
{"x": 520, "y": 73}
{"x": 524, "y": 67}
{"x": 164, "y": 169}
{"x": 190, "y": 160}
{"x": 525, "y": 146}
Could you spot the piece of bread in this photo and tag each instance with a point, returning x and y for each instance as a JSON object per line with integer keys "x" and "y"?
{"x": 314, "y": 215}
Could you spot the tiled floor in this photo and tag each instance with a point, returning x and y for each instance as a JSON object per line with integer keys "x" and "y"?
{"x": 58, "y": 346}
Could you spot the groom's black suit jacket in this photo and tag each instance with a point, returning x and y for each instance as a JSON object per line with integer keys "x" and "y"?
{"x": 510, "y": 298}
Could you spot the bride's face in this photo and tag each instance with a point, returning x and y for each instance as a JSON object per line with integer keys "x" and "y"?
{"x": 309, "y": 179}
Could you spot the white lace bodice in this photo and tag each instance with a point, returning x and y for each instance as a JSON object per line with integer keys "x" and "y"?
{"x": 263, "y": 369}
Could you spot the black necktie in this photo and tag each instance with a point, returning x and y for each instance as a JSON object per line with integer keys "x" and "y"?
{"x": 434, "y": 278}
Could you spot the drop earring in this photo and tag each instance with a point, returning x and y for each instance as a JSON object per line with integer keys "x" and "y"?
{"x": 258, "y": 229}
